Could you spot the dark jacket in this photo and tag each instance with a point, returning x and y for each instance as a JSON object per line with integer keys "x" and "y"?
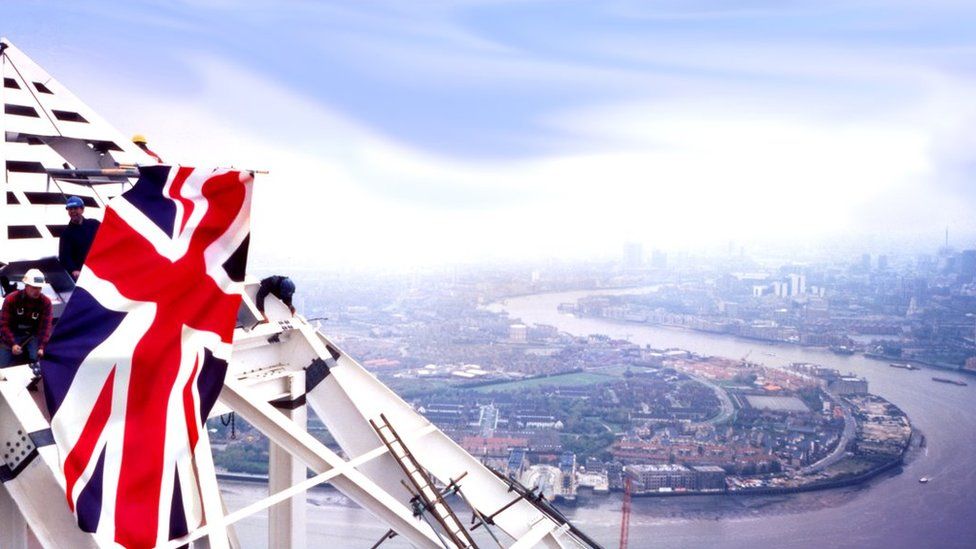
{"x": 76, "y": 240}
{"x": 22, "y": 317}
{"x": 272, "y": 285}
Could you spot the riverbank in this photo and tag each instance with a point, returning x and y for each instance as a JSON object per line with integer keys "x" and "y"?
{"x": 776, "y": 342}
{"x": 891, "y": 511}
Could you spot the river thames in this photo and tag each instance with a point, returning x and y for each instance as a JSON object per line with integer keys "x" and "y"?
{"x": 893, "y": 510}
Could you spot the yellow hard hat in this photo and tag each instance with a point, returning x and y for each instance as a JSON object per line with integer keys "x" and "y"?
{"x": 139, "y": 138}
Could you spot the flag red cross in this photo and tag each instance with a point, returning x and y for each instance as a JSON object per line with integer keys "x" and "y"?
{"x": 184, "y": 295}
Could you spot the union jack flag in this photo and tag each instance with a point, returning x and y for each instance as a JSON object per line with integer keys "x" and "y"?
{"x": 138, "y": 358}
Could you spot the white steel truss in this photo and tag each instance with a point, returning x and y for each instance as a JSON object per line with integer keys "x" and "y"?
{"x": 278, "y": 373}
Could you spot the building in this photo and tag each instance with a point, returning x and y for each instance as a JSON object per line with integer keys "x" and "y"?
{"x": 659, "y": 259}
{"x": 781, "y": 288}
{"x": 798, "y": 284}
{"x": 499, "y": 447}
{"x": 709, "y": 477}
{"x": 849, "y": 385}
{"x": 654, "y": 478}
{"x": 633, "y": 255}
{"x": 516, "y": 462}
{"x": 567, "y": 466}
{"x": 967, "y": 266}
{"x": 518, "y": 332}
{"x": 866, "y": 263}
{"x": 488, "y": 420}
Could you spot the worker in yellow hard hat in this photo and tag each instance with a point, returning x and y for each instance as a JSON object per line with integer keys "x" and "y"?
{"x": 140, "y": 141}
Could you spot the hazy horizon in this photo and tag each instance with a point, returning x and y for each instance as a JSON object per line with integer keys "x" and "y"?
{"x": 514, "y": 131}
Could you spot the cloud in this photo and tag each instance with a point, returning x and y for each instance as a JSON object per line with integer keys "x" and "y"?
{"x": 496, "y": 129}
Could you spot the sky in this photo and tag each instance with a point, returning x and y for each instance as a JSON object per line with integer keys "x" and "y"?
{"x": 403, "y": 134}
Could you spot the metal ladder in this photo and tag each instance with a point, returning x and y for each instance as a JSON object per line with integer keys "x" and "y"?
{"x": 422, "y": 489}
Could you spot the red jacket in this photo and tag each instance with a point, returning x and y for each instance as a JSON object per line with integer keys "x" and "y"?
{"x": 22, "y": 317}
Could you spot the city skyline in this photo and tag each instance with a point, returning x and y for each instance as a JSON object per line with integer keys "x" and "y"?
{"x": 513, "y": 131}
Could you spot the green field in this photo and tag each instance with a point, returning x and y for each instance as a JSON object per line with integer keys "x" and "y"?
{"x": 408, "y": 388}
{"x": 567, "y": 380}
{"x": 619, "y": 370}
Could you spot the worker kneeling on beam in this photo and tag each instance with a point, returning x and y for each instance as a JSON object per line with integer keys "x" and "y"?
{"x": 25, "y": 321}
{"x": 281, "y": 287}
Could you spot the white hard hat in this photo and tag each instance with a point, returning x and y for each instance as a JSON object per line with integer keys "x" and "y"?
{"x": 35, "y": 278}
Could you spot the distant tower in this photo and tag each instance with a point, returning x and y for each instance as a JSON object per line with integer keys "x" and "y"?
{"x": 798, "y": 284}
{"x": 659, "y": 259}
{"x": 633, "y": 255}
{"x": 945, "y": 251}
{"x": 912, "y": 307}
{"x": 967, "y": 266}
{"x": 866, "y": 262}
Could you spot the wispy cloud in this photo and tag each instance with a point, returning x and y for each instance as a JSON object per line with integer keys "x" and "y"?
{"x": 447, "y": 131}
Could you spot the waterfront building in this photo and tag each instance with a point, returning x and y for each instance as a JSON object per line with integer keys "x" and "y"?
{"x": 567, "y": 466}
{"x": 849, "y": 385}
{"x": 709, "y": 477}
{"x": 652, "y": 478}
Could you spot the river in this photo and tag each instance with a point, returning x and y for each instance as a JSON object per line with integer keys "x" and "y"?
{"x": 892, "y": 511}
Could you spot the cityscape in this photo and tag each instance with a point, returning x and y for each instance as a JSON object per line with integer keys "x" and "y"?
{"x": 583, "y": 416}
{"x": 666, "y": 274}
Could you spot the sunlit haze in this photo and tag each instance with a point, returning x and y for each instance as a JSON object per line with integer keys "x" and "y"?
{"x": 403, "y": 134}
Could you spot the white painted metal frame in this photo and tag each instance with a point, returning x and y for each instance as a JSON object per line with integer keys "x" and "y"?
{"x": 270, "y": 362}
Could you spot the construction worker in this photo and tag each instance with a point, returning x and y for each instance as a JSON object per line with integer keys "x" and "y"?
{"x": 140, "y": 141}
{"x": 77, "y": 237}
{"x": 25, "y": 321}
{"x": 279, "y": 286}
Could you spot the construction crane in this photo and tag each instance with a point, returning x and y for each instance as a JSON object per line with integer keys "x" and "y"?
{"x": 745, "y": 357}
{"x": 625, "y": 515}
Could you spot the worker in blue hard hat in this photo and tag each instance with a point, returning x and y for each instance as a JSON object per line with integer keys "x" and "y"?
{"x": 77, "y": 237}
{"x": 281, "y": 287}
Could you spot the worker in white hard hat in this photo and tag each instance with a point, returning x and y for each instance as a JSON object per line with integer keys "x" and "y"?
{"x": 141, "y": 142}
{"x": 25, "y": 321}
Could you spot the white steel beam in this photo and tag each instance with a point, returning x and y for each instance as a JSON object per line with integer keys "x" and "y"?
{"x": 33, "y": 487}
{"x": 320, "y": 459}
{"x": 13, "y": 527}
{"x": 350, "y": 396}
{"x": 286, "y": 520}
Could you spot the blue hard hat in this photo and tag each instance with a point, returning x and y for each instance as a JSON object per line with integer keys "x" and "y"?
{"x": 287, "y": 287}
{"x": 74, "y": 202}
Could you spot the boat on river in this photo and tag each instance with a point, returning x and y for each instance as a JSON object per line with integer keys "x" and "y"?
{"x": 950, "y": 381}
